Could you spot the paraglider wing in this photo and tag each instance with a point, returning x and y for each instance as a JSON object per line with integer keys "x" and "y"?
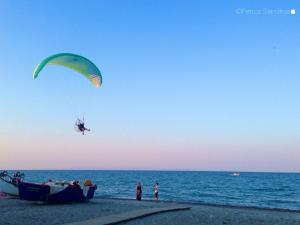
{"x": 75, "y": 62}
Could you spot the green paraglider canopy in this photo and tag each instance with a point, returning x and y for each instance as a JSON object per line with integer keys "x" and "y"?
{"x": 75, "y": 62}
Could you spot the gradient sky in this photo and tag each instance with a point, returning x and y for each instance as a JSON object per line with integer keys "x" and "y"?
{"x": 187, "y": 85}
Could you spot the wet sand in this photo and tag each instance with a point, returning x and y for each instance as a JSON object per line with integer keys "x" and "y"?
{"x": 16, "y": 212}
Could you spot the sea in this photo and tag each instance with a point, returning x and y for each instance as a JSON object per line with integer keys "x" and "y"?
{"x": 260, "y": 190}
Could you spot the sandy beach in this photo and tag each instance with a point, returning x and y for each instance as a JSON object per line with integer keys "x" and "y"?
{"x": 16, "y": 212}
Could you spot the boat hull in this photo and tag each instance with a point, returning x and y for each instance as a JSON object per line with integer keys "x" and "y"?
{"x": 42, "y": 192}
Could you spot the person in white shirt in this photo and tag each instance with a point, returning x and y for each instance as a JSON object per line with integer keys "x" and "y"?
{"x": 155, "y": 187}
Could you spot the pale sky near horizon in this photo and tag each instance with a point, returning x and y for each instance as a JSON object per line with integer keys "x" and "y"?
{"x": 187, "y": 85}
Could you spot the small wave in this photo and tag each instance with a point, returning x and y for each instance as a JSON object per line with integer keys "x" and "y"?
{"x": 282, "y": 201}
{"x": 269, "y": 189}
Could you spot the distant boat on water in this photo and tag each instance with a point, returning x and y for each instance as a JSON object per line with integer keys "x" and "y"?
{"x": 236, "y": 174}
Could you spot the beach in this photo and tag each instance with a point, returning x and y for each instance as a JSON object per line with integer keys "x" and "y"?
{"x": 112, "y": 211}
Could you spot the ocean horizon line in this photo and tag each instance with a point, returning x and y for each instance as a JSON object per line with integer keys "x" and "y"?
{"x": 148, "y": 170}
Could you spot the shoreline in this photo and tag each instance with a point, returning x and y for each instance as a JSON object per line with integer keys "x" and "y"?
{"x": 206, "y": 204}
{"x": 188, "y": 203}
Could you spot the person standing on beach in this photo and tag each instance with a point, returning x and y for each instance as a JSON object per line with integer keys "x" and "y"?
{"x": 138, "y": 191}
{"x": 155, "y": 187}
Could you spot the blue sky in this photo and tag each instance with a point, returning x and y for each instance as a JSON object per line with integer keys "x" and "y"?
{"x": 183, "y": 82}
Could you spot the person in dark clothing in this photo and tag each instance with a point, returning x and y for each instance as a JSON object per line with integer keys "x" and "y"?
{"x": 80, "y": 126}
{"x": 138, "y": 191}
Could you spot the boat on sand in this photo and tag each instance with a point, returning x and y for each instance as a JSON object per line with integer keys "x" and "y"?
{"x": 57, "y": 192}
{"x": 50, "y": 192}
